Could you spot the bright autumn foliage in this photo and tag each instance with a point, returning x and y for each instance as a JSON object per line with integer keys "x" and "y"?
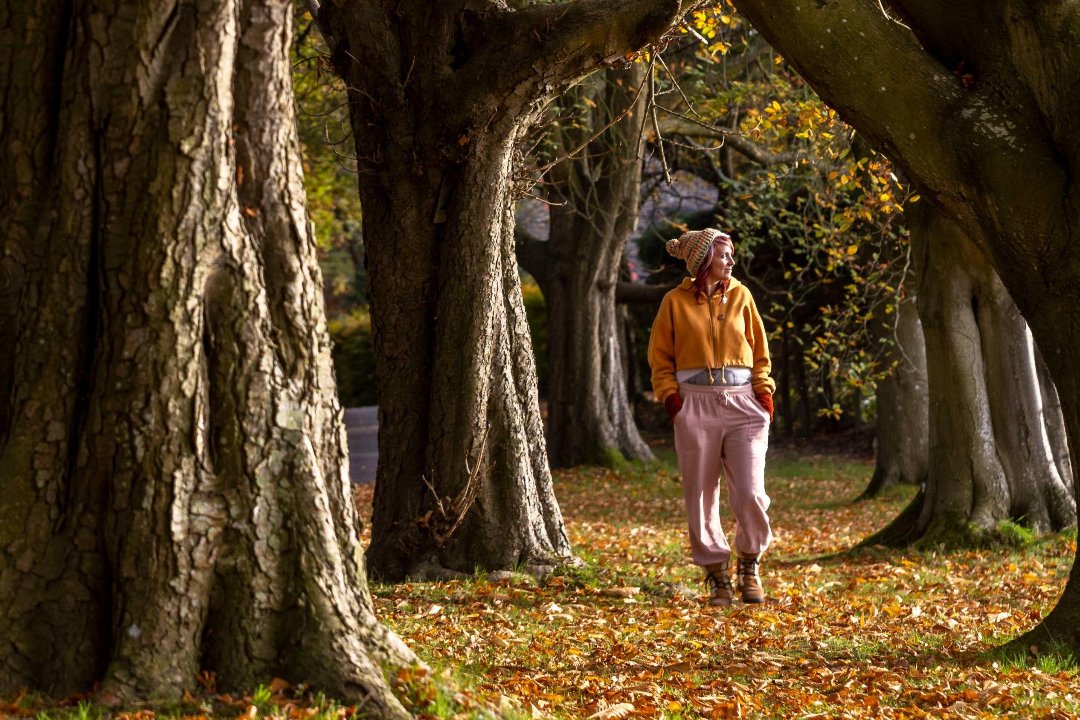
{"x": 817, "y": 213}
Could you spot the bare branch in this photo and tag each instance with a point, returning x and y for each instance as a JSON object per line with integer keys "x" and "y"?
{"x": 656, "y": 128}
{"x": 675, "y": 82}
{"x": 738, "y": 142}
{"x": 542, "y": 170}
{"x": 631, "y": 292}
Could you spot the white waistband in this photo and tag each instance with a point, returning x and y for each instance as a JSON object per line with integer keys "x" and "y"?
{"x": 733, "y": 374}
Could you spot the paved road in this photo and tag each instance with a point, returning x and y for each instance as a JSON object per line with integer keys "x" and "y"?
{"x": 362, "y": 426}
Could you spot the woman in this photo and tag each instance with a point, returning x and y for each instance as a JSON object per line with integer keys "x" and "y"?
{"x": 710, "y": 367}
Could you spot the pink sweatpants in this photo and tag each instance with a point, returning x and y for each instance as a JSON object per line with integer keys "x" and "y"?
{"x": 723, "y": 427}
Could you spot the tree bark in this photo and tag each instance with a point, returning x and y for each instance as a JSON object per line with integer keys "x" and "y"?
{"x": 175, "y": 495}
{"x": 902, "y": 404}
{"x": 995, "y": 144}
{"x": 1055, "y": 421}
{"x": 989, "y": 457}
{"x": 595, "y": 207}
{"x": 1039, "y": 498}
{"x": 440, "y": 95}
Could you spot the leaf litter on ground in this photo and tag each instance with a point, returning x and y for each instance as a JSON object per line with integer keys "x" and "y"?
{"x": 844, "y": 634}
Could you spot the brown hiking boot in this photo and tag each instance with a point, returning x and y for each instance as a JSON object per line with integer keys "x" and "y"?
{"x": 748, "y": 581}
{"x": 718, "y": 580}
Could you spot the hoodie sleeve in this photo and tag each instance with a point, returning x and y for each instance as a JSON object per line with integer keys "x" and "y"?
{"x": 760, "y": 375}
{"x": 662, "y": 352}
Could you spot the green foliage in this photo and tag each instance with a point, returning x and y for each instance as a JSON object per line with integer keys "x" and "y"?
{"x": 333, "y": 199}
{"x": 816, "y": 215}
{"x": 85, "y": 710}
{"x": 354, "y": 358}
{"x": 1051, "y": 657}
{"x": 1015, "y": 535}
{"x": 858, "y": 648}
{"x": 263, "y": 699}
{"x": 951, "y": 533}
{"x": 828, "y": 222}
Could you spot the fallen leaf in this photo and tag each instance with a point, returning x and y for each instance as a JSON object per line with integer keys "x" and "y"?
{"x": 612, "y": 713}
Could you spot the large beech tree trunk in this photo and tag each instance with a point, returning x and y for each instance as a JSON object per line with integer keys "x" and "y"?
{"x": 172, "y": 460}
{"x": 595, "y": 207}
{"x": 1055, "y": 421}
{"x": 989, "y": 456}
{"x": 902, "y": 404}
{"x": 440, "y": 95}
{"x": 997, "y": 146}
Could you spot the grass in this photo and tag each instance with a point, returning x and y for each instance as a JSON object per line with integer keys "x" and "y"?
{"x": 845, "y": 633}
{"x": 866, "y": 633}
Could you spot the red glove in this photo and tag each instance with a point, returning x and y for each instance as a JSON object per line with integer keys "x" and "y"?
{"x": 765, "y": 400}
{"x": 673, "y": 404}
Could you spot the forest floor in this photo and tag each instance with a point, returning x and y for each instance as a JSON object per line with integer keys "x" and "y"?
{"x": 844, "y": 634}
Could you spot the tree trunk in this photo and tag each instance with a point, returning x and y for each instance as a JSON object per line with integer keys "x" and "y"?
{"x": 440, "y": 95}
{"x": 480, "y": 493}
{"x": 989, "y": 456}
{"x": 1039, "y": 498}
{"x": 595, "y": 209}
{"x": 1062, "y": 624}
{"x": 997, "y": 147}
{"x": 902, "y": 405}
{"x": 1055, "y": 421}
{"x": 175, "y": 496}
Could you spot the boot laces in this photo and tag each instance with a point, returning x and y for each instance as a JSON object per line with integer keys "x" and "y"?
{"x": 717, "y": 581}
{"x": 748, "y": 566}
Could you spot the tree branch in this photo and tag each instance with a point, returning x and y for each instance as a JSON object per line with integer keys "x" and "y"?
{"x": 315, "y": 7}
{"x": 631, "y": 292}
{"x": 955, "y": 34}
{"x": 680, "y": 124}
{"x": 872, "y": 70}
{"x": 540, "y": 49}
{"x": 967, "y": 146}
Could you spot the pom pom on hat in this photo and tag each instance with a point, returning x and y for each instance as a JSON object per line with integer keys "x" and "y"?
{"x": 693, "y": 246}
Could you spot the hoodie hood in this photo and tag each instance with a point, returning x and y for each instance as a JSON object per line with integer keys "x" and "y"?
{"x": 688, "y": 284}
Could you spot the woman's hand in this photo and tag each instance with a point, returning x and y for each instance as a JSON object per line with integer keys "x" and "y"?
{"x": 765, "y": 400}
{"x": 673, "y": 404}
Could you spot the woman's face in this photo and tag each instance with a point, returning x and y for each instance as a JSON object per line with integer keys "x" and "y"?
{"x": 722, "y": 262}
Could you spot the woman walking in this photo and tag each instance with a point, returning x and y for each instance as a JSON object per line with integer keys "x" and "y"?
{"x": 710, "y": 367}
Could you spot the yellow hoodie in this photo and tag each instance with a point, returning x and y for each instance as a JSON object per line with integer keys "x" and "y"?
{"x": 708, "y": 334}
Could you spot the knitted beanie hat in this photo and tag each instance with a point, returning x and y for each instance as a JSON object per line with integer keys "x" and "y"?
{"x": 693, "y": 246}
